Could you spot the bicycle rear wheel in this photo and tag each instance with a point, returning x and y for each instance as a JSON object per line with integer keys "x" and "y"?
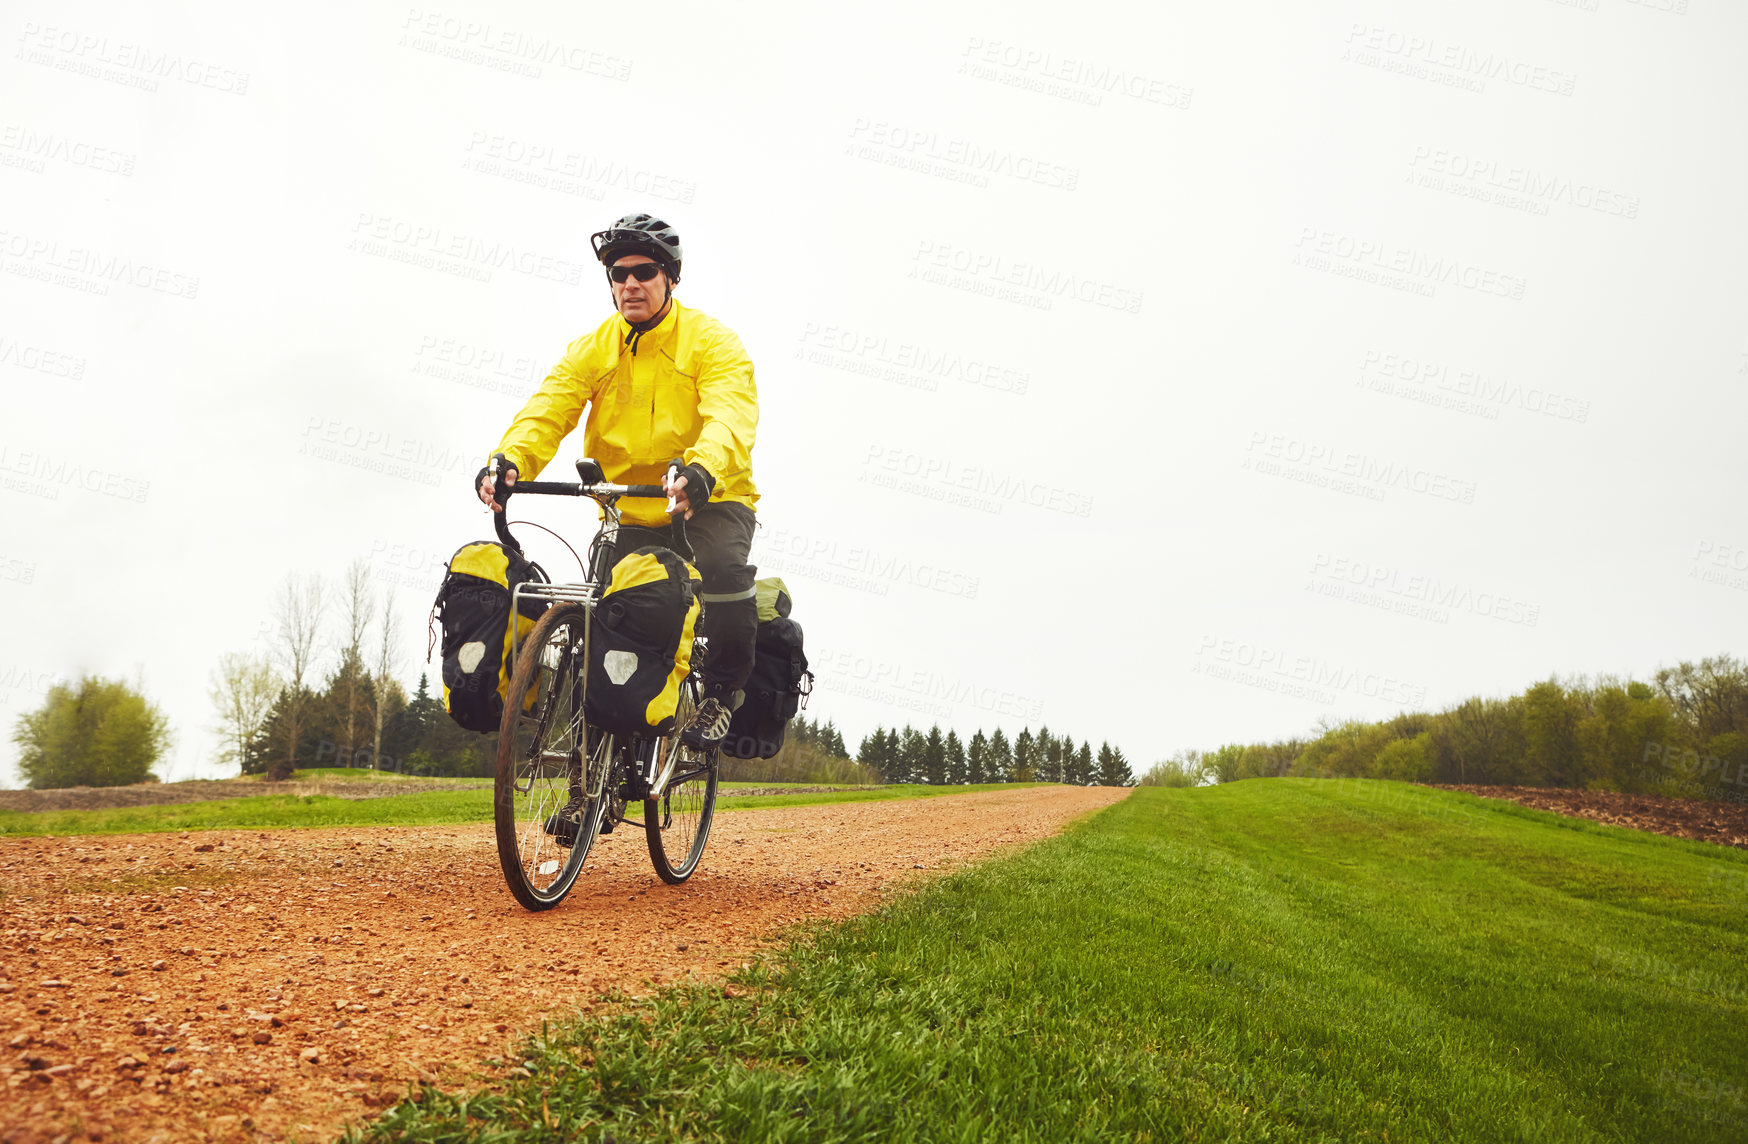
{"x": 677, "y": 825}
{"x": 551, "y": 778}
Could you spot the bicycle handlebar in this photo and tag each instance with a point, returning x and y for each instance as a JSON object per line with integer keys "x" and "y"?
{"x": 501, "y": 520}
{"x": 577, "y": 489}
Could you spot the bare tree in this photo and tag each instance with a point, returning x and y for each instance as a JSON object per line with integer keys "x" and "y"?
{"x": 356, "y": 598}
{"x": 243, "y": 689}
{"x": 387, "y": 660}
{"x": 303, "y": 601}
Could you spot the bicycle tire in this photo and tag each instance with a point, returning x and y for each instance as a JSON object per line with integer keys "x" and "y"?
{"x": 532, "y": 784}
{"x": 677, "y": 825}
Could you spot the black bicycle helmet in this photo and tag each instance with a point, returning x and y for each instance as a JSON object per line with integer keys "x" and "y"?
{"x": 640, "y": 234}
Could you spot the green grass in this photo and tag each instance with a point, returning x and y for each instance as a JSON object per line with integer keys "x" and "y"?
{"x": 362, "y": 775}
{"x": 273, "y": 812}
{"x": 1273, "y": 960}
{"x": 268, "y": 812}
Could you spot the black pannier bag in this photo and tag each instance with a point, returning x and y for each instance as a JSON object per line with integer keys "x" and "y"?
{"x": 474, "y": 607}
{"x": 779, "y": 683}
{"x": 640, "y": 643}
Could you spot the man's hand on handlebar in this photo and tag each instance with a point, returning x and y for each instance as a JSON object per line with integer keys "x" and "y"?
{"x": 684, "y": 486}
{"x": 488, "y": 490}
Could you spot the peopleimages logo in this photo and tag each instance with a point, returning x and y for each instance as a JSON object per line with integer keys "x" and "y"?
{"x": 1418, "y": 53}
{"x": 1530, "y": 184}
{"x": 1309, "y": 671}
{"x": 31, "y": 357}
{"x": 1385, "y": 263}
{"x": 1465, "y": 390}
{"x": 16, "y": 571}
{"x": 39, "y": 147}
{"x": 1036, "y": 285}
{"x": 865, "y": 567}
{"x": 927, "y": 151}
{"x": 504, "y": 49}
{"x": 1417, "y": 595}
{"x": 556, "y": 167}
{"x": 134, "y": 65}
{"x": 67, "y": 474}
{"x": 905, "y": 363}
{"x": 842, "y": 670}
{"x": 463, "y": 255}
{"x": 1278, "y": 455}
{"x": 382, "y": 451}
{"x": 1079, "y": 80}
{"x": 87, "y": 270}
{"x": 970, "y": 485}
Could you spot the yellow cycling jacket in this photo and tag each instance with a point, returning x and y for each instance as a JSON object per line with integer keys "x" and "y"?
{"x": 685, "y": 391}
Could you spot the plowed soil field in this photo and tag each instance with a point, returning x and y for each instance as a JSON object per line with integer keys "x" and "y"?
{"x": 1725, "y": 823}
{"x": 245, "y": 986}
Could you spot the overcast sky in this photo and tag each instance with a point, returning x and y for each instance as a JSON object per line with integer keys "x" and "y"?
{"x": 1169, "y": 374}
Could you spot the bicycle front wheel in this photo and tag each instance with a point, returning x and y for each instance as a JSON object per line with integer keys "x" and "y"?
{"x": 551, "y": 767}
{"x": 677, "y": 824}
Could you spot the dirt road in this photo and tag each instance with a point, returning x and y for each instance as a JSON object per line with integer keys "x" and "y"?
{"x": 245, "y": 985}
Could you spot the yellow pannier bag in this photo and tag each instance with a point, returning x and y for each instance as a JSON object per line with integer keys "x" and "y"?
{"x": 474, "y": 608}
{"x": 640, "y": 644}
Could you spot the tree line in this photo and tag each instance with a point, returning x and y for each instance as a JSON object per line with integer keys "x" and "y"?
{"x": 281, "y": 711}
{"x": 1684, "y": 732}
{"x": 906, "y": 755}
{"x": 812, "y": 752}
{"x": 324, "y": 694}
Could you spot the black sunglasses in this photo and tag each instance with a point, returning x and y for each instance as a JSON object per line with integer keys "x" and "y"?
{"x": 643, "y": 271}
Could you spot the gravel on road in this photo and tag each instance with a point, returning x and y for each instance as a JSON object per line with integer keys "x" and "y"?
{"x": 249, "y": 985}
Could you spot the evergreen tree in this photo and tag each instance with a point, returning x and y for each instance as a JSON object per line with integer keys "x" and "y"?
{"x": 832, "y": 743}
{"x": 935, "y": 758}
{"x": 1078, "y": 768}
{"x": 889, "y": 760}
{"x": 291, "y": 708}
{"x": 335, "y": 713}
{"x": 1113, "y": 767}
{"x": 956, "y": 770}
{"x": 912, "y": 759}
{"x": 873, "y": 750}
{"x": 406, "y": 731}
{"x": 422, "y": 739}
{"x": 976, "y": 759}
{"x": 1050, "y": 751}
{"x": 1025, "y": 767}
{"x": 998, "y": 766}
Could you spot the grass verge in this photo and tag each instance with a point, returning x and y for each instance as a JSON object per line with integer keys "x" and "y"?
{"x": 430, "y": 808}
{"x": 1273, "y": 960}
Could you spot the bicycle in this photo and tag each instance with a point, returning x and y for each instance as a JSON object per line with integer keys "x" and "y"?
{"x": 550, "y": 758}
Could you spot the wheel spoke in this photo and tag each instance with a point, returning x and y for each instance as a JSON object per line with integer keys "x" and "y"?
{"x": 538, "y": 755}
{"x": 678, "y": 824}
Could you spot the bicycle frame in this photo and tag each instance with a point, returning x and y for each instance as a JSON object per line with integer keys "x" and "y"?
{"x": 588, "y": 592}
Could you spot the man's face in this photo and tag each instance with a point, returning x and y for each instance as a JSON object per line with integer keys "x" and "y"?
{"x": 639, "y": 301}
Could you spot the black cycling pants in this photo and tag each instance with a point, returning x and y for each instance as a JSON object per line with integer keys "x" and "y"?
{"x": 721, "y": 536}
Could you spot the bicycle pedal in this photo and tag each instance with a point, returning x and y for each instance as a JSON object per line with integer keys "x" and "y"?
{"x": 563, "y": 830}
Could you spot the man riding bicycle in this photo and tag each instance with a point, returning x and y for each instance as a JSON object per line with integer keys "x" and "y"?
{"x": 661, "y": 382}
